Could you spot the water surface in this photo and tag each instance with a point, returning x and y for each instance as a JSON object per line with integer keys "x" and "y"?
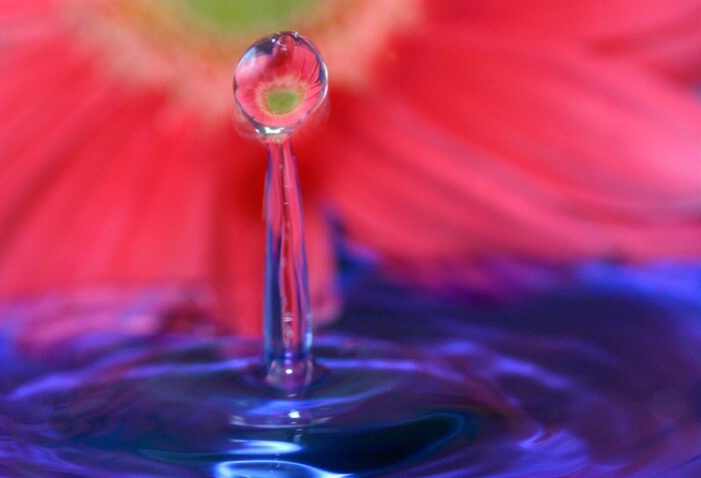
{"x": 598, "y": 378}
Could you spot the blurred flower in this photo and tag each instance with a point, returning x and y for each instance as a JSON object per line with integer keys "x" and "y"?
{"x": 462, "y": 133}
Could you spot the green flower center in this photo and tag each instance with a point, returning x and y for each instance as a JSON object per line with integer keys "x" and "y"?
{"x": 281, "y": 101}
{"x": 237, "y": 15}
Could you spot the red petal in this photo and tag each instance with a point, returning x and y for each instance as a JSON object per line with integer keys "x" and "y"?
{"x": 489, "y": 142}
{"x": 662, "y": 34}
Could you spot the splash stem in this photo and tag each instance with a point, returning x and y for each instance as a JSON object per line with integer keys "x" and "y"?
{"x": 286, "y": 311}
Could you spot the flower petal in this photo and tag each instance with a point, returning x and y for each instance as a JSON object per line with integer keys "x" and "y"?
{"x": 480, "y": 142}
{"x": 664, "y": 35}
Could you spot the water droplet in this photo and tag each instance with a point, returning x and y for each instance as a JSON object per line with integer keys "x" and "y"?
{"x": 279, "y": 82}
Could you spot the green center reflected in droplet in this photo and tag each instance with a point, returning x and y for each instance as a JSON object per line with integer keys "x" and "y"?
{"x": 231, "y": 15}
{"x": 282, "y": 101}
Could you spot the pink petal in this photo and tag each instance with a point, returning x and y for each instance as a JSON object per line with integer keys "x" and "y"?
{"x": 104, "y": 184}
{"x": 483, "y": 142}
{"x": 664, "y": 35}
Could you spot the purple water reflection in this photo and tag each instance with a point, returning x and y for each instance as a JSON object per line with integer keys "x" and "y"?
{"x": 600, "y": 377}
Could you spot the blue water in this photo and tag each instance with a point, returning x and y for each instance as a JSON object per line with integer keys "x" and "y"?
{"x": 599, "y": 377}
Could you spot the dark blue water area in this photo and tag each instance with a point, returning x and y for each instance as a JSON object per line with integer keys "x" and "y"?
{"x": 598, "y": 375}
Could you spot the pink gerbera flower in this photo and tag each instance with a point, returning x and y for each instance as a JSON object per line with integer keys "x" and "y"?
{"x": 461, "y": 132}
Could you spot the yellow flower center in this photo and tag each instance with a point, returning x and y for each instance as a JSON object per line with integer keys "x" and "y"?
{"x": 245, "y": 15}
{"x": 189, "y": 48}
{"x": 281, "y": 101}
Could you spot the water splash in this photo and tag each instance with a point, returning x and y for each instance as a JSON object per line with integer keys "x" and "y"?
{"x": 279, "y": 83}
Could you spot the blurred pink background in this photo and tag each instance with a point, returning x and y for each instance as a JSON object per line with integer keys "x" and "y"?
{"x": 462, "y": 136}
